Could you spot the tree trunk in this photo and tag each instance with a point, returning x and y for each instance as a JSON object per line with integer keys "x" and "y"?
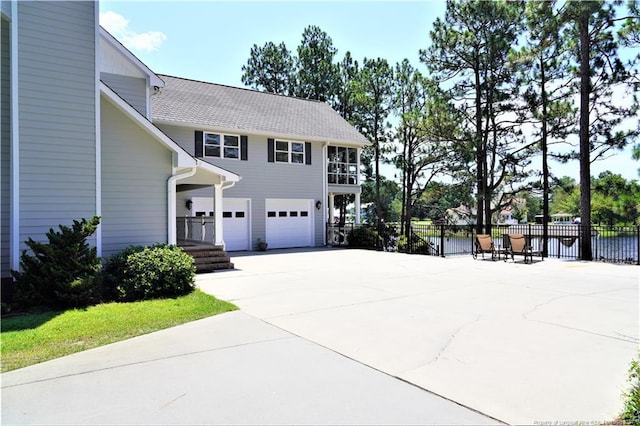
{"x": 479, "y": 152}
{"x": 545, "y": 165}
{"x": 378, "y": 200}
{"x": 585, "y": 149}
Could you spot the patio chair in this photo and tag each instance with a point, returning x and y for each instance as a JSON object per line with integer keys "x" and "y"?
{"x": 518, "y": 245}
{"x": 484, "y": 244}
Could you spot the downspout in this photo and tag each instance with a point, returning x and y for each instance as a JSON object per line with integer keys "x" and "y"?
{"x": 14, "y": 129}
{"x": 325, "y": 191}
{"x": 171, "y": 202}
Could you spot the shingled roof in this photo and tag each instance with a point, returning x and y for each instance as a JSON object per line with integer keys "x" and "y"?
{"x": 197, "y": 103}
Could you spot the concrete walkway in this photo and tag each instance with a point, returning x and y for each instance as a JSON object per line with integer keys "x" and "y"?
{"x": 340, "y": 336}
{"x": 547, "y": 342}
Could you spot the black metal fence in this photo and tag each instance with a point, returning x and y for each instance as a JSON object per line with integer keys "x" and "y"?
{"x": 616, "y": 244}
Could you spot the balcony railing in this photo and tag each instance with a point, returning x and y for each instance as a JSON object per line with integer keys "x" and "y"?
{"x": 198, "y": 229}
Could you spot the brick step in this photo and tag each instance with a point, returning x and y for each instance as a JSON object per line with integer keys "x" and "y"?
{"x": 196, "y": 249}
{"x": 207, "y": 253}
{"x": 211, "y": 259}
{"x": 208, "y": 258}
{"x": 210, "y": 267}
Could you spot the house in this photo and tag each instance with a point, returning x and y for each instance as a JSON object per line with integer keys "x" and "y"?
{"x": 516, "y": 207}
{"x": 88, "y": 129}
{"x": 293, "y": 156}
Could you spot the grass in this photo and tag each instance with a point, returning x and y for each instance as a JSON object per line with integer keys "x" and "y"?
{"x": 33, "y": 338}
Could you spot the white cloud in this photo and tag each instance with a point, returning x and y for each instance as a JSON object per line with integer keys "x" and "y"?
{"x": 118, "y": 26}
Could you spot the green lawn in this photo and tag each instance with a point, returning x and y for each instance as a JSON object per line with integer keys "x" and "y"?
{"x": 34, "y": 338}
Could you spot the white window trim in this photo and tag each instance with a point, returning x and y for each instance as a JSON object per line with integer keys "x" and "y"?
{"x": 289, "y": 152}
{"x": 347, "y": 163}
{"x": 222, "y": 146}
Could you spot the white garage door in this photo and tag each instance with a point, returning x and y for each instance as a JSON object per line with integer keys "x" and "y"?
{"x": 289, "y": 223}
{"x": 235, "y": 223}
{"x": 235, "y": 220}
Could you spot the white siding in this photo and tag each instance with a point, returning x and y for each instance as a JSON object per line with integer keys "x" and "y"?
{"x": 5, "y": 146}
{"x": 135, "y": 170}
{"x": 131, "y": 89}
{"x": 57, "y": 129}
{"x": 262, "y": 180}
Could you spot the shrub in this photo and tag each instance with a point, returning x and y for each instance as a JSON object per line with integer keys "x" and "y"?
{"x": 363, "y": 237}
{"x": 62, "y": 272}
{"x": 140, "y": 273}
{"x": 631, "y": 413}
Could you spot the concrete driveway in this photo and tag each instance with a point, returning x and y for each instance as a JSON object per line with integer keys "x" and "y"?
{"x": 547, "y": 342}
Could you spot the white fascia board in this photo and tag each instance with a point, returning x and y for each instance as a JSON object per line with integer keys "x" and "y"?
{"x": 283, "y": 136}
{"x": 152, "y": 78}
{"x": 183, "y": 158}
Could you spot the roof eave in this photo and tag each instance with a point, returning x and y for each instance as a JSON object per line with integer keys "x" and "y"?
{"x": 286, "y": 136}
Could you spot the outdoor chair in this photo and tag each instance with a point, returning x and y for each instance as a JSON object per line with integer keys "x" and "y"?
{"x": 484, "y": 244}
{"x": 518, "y": 245}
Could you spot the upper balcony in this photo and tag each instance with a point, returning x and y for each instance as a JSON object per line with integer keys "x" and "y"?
{"x": 343, "y": 166}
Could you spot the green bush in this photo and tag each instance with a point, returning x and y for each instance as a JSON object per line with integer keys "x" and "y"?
{"x": 631, "y": 413}
{"x": 363, "y": 237}
{"x": 140, "y": 273}
{"x": 63, "y": 272}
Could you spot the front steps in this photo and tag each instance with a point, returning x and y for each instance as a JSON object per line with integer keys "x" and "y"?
{"x": 208, "y": 258}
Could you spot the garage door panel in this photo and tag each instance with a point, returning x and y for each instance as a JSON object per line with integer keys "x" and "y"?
{"x": 235, "y": 222}
{"x": 289, "y": 223}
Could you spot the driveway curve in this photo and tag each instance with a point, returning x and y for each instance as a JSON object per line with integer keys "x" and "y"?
{"x": 538, "y": 343}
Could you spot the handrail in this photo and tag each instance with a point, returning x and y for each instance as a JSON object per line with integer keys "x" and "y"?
{"x": 196, "y": 228}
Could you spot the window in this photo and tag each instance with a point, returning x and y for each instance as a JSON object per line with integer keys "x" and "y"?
{"x": 342, "y": 165}
{"x": 221, "y": 146}
{"x": 289, "y": 152}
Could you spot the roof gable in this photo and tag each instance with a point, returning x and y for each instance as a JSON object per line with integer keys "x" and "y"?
{"x": 117, "y": 59}
{"x": 189, "y": 102}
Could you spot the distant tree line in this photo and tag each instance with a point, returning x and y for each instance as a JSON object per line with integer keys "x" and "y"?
{"x": 509, "y": 85}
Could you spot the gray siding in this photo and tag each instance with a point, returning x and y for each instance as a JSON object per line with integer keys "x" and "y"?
{"x": 135, "y": 170}
{"x": 5, "y": 151}
{"x": 262, "y": 180}
{"x": 131, "y": 89}
{"x": 57, "y": 130}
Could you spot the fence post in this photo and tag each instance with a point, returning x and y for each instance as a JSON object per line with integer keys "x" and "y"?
{"x": 441, "y": 240}
{"x": 638, "y": 244}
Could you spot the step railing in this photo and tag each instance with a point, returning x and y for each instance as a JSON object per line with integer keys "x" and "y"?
{"x": 196, "y": 229}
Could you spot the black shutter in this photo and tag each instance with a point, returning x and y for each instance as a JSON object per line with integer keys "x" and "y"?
{"x": 307, "y": 152}
{"x": 198, "y": 144}
{"x": 270, "y": 150}
{"x": 243, "y": 148}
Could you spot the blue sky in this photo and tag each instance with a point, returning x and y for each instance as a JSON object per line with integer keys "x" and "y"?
{"x": 211, "y": 40}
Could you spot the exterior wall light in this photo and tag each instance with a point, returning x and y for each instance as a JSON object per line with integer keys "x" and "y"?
{"x": 188, "y": 204}
{"x": 318, "y": 204}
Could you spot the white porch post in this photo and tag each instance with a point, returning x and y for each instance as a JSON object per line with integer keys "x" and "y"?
{"x": 218, "y": 236}
{"x": 331, "y": 208}
{"x": 357, "y": 207}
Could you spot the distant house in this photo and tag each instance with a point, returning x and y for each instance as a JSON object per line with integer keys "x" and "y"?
{"x": 88, "y": 129}
{"x": 508, "y": 214}
{"x": 461, "y": 215}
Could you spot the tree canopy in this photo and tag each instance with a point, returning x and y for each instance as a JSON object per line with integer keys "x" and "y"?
{"x": 506, "y": 86}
